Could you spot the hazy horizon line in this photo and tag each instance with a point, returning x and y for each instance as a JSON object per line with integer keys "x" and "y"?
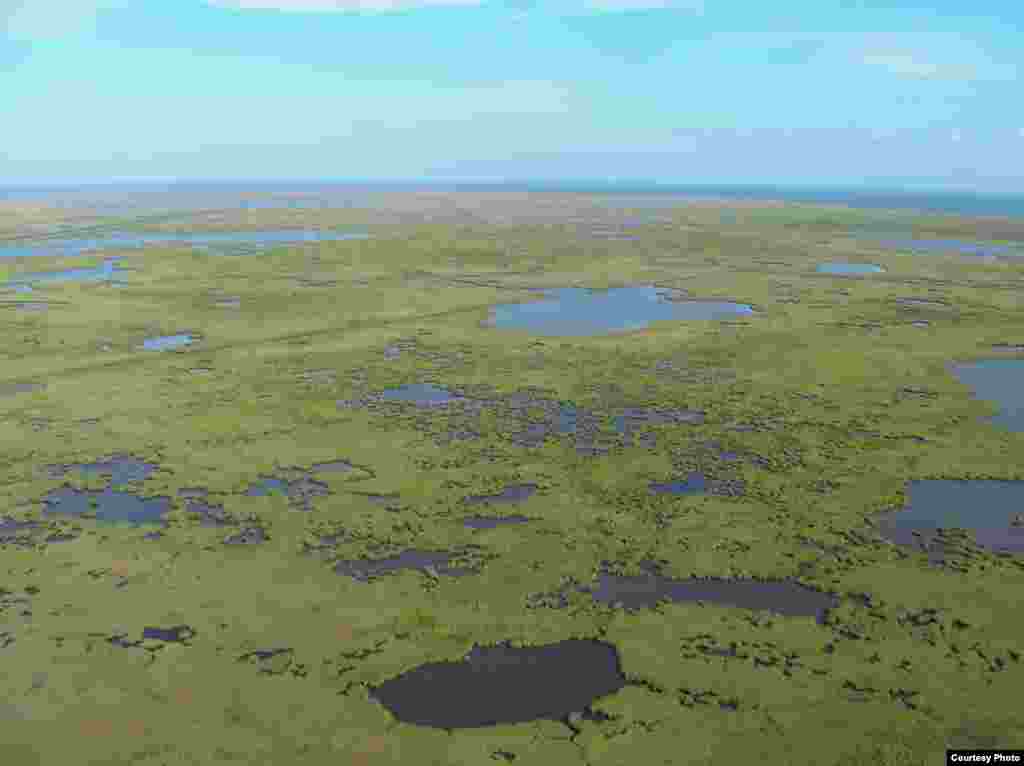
{"x": 568, "y": 183}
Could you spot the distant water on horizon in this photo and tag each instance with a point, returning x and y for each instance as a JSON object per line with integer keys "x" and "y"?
{"x": 246, "y": 194}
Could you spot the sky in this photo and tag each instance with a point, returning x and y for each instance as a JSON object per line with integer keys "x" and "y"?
{"x": 913, "y": 93}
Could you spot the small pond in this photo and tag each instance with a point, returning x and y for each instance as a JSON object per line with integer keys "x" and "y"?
{"x": 420, "y": 394}
{"x": 849, "y": 268}
{"x": 209, "y": 515}
{"x": 412, "y": 560}
{"x": 504, "y": 685}
{"x": 167, "y": 342}
{"x": 300, "y": 491}
{"x": 12, "y": 389}
{"x": 993, "y": 510}
{"x": 108, "y": 505}
{"x": 513, "y": 493}
{"x": 582, "y": 311}
{"x": 693, "y": 484}
{"x": 1000, "y": 381}
{"x": 644, "y": 591}
{"x": 493, "y": 522}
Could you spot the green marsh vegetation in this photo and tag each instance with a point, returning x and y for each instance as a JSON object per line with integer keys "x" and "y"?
{"x": 818, "y": 409}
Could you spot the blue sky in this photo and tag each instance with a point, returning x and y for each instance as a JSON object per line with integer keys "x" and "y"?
{"x": 814, "y": 92}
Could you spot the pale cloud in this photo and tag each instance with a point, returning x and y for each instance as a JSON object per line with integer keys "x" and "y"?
{"x": 41, "y": 19}
{"x": 910, "y": 65}
{"x": 342, "y": 6}
{"x": 637, "y": 5}
{"x": 337, "y": 6}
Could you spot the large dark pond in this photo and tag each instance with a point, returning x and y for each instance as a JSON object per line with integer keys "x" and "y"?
{"x": 504, "y": 684}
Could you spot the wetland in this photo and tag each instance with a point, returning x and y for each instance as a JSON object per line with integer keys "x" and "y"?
{"x": 535, "y": 478}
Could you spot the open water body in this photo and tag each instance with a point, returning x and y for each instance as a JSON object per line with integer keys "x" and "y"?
{"x": 504, "y": 685}
{"x": 582, "y": 311}
{"x": 693, "y": 484}
{"x": 644, "y": 591}
{"x": 167, "y": 342}
{"x": 108, "y": 504}
{"x": 120, "y": 240}
{"x": 1000, "y": 381}
{"x": 992, "y": 510}
{"x": 108, "y": 271}
{"x": 421, "y": 394}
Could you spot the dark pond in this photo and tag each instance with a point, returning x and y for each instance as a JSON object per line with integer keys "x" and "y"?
{"x": 849, "y": 268}
{"x": 420, "y": 394}
{"x": 117, "y": 240}
{"x": 1000, "y": 381}
{"x": 175, "y": 635}
{"x": 210, "y": 515}
{"x": 167, "y": 342}
{"x": 581, "y": 311}
{"x": 267, "y": 486}
{"x": 11, "y": 389}
{"x": 691, "y": 485}
{"x": 644, "y": 591}
{"x": 107, "y": 504}
{"x": 16, "y": 531}
{"x": 427, "y": 561}
{"x": 504, "y": 685}
{"x": 300, "y": 491}
{"x": 514, "y": 493}
{"x": 988, "y": 508}
{"x": 385, "y": 500}
{"x": 107, "y": 272}
{"x": 568, "y": 418}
